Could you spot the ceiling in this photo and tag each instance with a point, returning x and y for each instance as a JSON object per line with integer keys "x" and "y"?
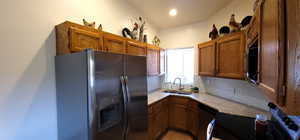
{"x": 188, "y": 11}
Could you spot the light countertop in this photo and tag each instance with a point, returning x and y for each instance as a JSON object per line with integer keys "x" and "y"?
{"x": 221, "y": 104}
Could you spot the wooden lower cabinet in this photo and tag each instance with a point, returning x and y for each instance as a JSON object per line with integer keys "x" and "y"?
{"x": 178, "y": 116}
{"x": 177, "y": 113}
{"x": 157, "y": 119}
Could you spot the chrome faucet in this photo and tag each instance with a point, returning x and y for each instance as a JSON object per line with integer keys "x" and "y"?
{"x": 180, "y": 86}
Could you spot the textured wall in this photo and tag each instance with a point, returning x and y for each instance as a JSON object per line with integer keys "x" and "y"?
{"x": 27, "y": 83}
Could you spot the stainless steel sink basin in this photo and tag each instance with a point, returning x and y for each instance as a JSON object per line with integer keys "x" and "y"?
{"x": 177, "y": 92}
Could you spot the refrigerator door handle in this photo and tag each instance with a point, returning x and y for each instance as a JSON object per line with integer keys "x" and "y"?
{"x": 126, "y": 87}
{"x": 123, "y": 83}
{"x": 122, "y": 79}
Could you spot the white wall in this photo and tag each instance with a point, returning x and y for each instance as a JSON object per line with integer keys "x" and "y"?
{"x": 191, "y": 35}
{"x": 27, "y": 77}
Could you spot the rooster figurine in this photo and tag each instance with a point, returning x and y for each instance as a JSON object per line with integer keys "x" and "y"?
{"x": 214, "y": 33}
{"x": 234, "y": 26}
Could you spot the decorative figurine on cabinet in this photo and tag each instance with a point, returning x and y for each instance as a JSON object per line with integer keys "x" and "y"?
{"x": 214, "y": 34}
{"x": 234, "y": 26}
{"x": 246, "y": 21}
{"x": 133, "y": 33}
{"x": 156, "y": 41}
{"x": 224, "y": 30}
{"x": 142, "y": 23}
{"x": 91, "y": 24}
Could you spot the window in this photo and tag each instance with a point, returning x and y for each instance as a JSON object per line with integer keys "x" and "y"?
{"x": 180, "y": 63}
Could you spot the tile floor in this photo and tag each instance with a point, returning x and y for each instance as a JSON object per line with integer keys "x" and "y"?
{"x": 173, "y": 135}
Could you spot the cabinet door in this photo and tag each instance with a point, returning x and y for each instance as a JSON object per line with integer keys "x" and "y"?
{"x": 165, "y": 115}
{"x": 178, "y": 116}
{"x": 272, "y": 55}
{"x": 162, "y": 61}
{"x": 293, "y": 66}
{"x": 230, "y": 56}
{"x": 82, "y": 39}
{"x": 151, "y": 119}
{"x": 207, "y": 58}
{"x": 153, "y": 61}
{"x": 193, "y": 123}
{"x": 136, "y": 48}
{"x": 114, "y": 43}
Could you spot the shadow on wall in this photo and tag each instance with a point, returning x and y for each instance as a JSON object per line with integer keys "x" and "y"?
{"x": 29, "y": 109}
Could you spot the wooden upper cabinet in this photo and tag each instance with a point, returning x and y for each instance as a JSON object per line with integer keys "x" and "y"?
{"x": 223, "y": 57}
{"x": 230, "y": 56}
{"x": 82, "y": 39}
{"x": 253, "y": 30}
{"x": 153, "y": 60}
{"x": 136, "y": 48}
{"x": 113, "y": 43}
{"x": 72, "y": 37}
{"x": 272, "y": 50}
{"x": 206, "y": 52}
{"x": 162, "y": 61}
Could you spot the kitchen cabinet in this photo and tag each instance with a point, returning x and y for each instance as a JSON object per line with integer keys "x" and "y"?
{"x": 223, "y": 57}
{"x": 113, "y": 43}
{"x": 272, "y": 51}
{"x": 178, "y": 112}
{"x": 230, "y": 56}
{"x": 162, "y": 61}
{"x": 207, "y": 54}
{"x": 81, "y": 40}
{"x": 193, "y": 119}
{"x": 178, "y": 116}
{"x": 293, "y": 57}
{"x": 153, "y": 60}
{"x": 157, "y": 119}
{"x": 136, "y": 48}
{"x": 72, "y": 37}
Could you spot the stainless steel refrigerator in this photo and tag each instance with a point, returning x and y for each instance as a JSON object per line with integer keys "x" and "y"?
{"x": 101, "y": 96}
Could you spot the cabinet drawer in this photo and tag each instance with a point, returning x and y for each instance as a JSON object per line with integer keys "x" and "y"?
{"x": 82, "y": 39}
{"x": 178, "y": 100}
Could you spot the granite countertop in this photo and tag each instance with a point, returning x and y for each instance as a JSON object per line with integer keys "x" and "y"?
{"x": 221, "y": 104}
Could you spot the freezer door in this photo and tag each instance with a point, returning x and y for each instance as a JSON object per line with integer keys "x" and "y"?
{"x": 135, "y": 78}
{"x": 109, "y": 121}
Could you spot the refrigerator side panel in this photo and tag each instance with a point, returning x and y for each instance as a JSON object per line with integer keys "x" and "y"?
{"x": 136, "y": 73}
{"x": 71, "y": 92}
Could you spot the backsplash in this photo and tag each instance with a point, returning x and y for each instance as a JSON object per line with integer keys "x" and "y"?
{"x": 236, "y": 90}
{"x": 154, "y": 83}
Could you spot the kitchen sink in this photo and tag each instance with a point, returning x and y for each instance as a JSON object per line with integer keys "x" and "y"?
{"x": 183, "y": 92}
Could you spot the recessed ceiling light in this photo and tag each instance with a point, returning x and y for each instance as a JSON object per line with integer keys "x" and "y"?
{"x": 173, "y": 12}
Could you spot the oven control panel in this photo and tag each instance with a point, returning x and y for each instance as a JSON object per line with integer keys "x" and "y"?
{"x": 291, "y": 124}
